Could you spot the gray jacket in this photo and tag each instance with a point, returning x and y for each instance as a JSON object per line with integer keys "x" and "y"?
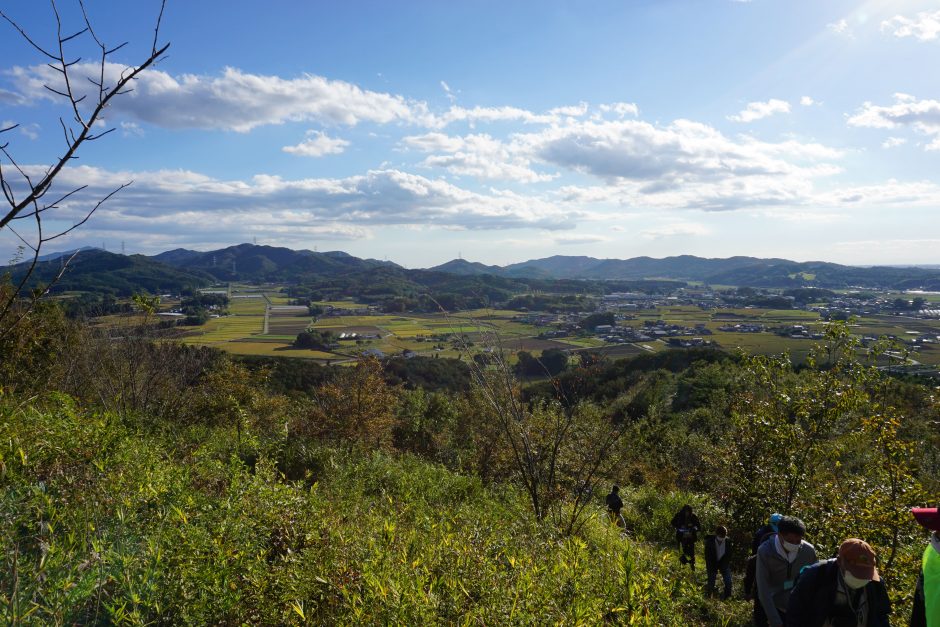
{"x": 773, "y": 573}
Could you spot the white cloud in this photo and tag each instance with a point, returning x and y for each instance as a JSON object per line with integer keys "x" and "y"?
{"x": 317, "y": 144}
{"x": 676, "y": 154}
{"x": 676, "y": 229}
{"x": 30, "y": 131}
{"x": 759, "y": 110}
{"x": 925, "y": 26}
{"x": 803, "y": 217}
{"x": 234, "y": 100}
{"x": 162, "y": 202}
{"x": 921, "y": 115}
{"x": 807, "y": 101}
{"x": 474, "y": 115}
{"x": 575, "y": 240}
{"x": 841, "y": 28}
{"x": 448, "y": 92}
{"x": 890, "y": 194}
{"x": 893, "y": 142}
{"x": 131, "y": 129}
{"x": 622, "y": 109}
{"x": 477, "y": 155}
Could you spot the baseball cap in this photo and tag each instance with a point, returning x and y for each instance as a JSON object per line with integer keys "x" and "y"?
{"x": 857, "y": 557}
{"x": 928, "y": 517}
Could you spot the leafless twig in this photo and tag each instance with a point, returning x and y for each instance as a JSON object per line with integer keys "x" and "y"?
{"x": 24, "y": 192}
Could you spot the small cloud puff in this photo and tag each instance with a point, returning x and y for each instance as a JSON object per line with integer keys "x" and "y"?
{"x": 317, "y": 144}
{"x": 925, "y": 26}
{"x": 759, "y": 110}
{"x": 841, "y": 28}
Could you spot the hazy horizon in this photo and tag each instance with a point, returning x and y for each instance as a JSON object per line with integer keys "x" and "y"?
{"x": 422, "y": 131}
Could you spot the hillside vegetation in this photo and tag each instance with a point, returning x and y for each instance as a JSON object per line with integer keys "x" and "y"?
{"x": 147, "y": 482}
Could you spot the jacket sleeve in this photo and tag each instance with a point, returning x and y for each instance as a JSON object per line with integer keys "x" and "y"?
{"x": 709, "y": 548}
{"x": 750, "y": 566}
{"x": 764, "y": 593}
{"x": 801, "y": 603}
{"x": 883, "y": 617}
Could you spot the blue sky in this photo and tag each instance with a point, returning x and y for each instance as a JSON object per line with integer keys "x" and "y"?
{"x": 417, "y": 131}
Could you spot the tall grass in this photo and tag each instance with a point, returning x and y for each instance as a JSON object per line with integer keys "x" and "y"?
{"x": 104, "y": 521}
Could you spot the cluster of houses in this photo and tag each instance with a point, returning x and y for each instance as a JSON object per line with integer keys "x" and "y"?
{"x": 742, "y": 328}
{"x": 335, "y": 312}
{"x": 651, "y": 330}
{"x": 799, "y": 332}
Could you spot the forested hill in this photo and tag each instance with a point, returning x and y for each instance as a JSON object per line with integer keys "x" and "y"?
{"x": 739, "y": 271}
{"x": 249, "y": 262}
{"x": 174, "y": 270}
{"x": 96, "y": 270}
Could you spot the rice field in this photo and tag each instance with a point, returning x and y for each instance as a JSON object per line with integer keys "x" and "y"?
{"x": 247, "y": 305}
{"x": 225, "y": 329}
{"x": 426, "y": 333}
{"x": 287, "y": 324}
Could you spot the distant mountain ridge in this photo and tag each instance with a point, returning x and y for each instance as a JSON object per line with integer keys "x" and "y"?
{"x": 96, "y": 269}
{"x": 738, "y": 271}
{"x": 252, "y": 262}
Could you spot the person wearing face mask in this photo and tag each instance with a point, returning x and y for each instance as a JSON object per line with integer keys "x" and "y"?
{"x": 718, "y": 559}
{"x": 842, "y": 592}
{"x": 926, "y": 611}
{"x": 779, "y": 562}
{"x": 761, "y": 534}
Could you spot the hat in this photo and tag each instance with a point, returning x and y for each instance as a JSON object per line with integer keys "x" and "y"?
{"x": 857, "y": 557}
{"x": 928, "y": 517}
{"x": 775, "y": 518}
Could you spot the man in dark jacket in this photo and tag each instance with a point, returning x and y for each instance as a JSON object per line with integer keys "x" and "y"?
{"x": 686, "y": 524}
{"x": 614, "y": 505}
{"x": 718, "y": 559}
{"x": 926, "y": 610}
{"x": 841, "y": 592}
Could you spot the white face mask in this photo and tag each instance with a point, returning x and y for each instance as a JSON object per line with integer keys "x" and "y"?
{"x": 854, "y": 582}
{"x": 789, "y": 546}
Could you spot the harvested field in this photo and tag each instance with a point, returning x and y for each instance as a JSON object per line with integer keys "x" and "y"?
{"x": 534, "y": 344}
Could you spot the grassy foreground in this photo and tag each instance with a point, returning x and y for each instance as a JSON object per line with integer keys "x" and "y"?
{"x": 106, "y": 522}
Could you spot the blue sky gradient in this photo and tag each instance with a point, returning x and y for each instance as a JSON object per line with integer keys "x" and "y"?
{"x": 417, "y": 131}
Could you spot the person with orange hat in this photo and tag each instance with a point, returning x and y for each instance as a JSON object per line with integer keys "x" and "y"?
{"x": 842, "y": 592}
{"x": 926, "y": 612}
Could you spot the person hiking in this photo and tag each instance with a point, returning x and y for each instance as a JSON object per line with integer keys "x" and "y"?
{"x": 686, "y": 524}
{"x": 779, "y": 561}
{"x": 926, "y": 611}
{"x": 761, "y": 534}
{"x": 750, "y": 583}
{"x": 718, "y": 548}
{"x": 614, "y": 505}
{"x": 845, "y": 591}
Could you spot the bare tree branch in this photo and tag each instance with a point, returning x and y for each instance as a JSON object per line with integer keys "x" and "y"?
{"x": 25, "y": 197}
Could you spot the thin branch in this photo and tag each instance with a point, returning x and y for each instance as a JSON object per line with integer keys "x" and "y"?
{"x": 156, "y": 30}
{"x": 27, "y": 37}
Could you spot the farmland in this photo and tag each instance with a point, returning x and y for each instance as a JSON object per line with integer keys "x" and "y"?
{"x": 261, "y": 322}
